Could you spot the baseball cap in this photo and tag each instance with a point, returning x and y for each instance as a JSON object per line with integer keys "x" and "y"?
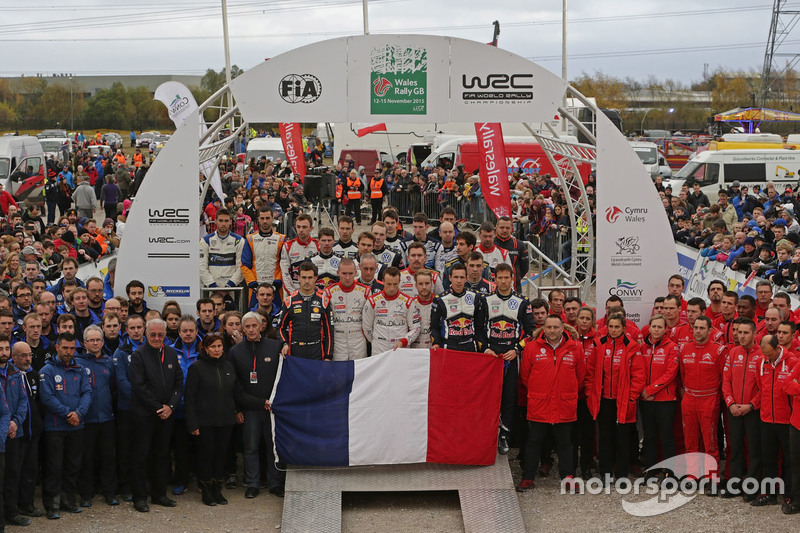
{"x": 30, "y": 250}
{"x": 779, "y": 222}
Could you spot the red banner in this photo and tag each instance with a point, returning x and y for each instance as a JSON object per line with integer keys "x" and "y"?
{"x": 493, "y": 170}
{"x": 292, "y": 139}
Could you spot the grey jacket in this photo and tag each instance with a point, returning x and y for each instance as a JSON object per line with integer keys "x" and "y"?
{"x": 84, "y": 196}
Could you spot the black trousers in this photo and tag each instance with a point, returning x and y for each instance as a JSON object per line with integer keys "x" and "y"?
{"x": 377, "y": 205}
{"x": 125, "y": 435}
{"x": 583, "y": 438}
{"x": 745, "y": 430}
{"x": 63, "y": 463}
{"x": 29, "y": 472}
{"x": 212, "y": 451}
{"x": 794, "y": 445}
{"x": 562, "y": 433}
{"x": 15, "y": 451}
{"x": 658, "y": 422}
{"x": 98, "y": 456}
{"x": 185, "y": 452}
{"x": 508, "y": 399}
{"x": 775, "y": 439}
{"x": 151, "y": 456}
{"x": 613, "y": 440}
{"x": 354, "y": 209}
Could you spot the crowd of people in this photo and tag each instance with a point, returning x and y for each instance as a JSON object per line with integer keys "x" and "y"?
{"x": 183, "y": 396}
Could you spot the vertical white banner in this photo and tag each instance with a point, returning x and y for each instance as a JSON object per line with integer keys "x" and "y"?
{"x": 181, "y": 104}
{"x": 635, "y": 250}
{"x": 160, "y": 244}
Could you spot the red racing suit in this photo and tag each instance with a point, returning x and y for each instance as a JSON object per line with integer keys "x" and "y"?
{"x": 701, "y": 368}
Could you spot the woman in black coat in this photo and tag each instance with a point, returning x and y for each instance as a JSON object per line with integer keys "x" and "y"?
{"x": 210, "y": 414}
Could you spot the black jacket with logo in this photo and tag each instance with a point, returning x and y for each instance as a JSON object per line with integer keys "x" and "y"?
{"x": 156, "y": 379}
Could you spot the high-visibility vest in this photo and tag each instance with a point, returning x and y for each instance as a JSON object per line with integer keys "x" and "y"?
{"x": 352, "y": 189}
{"x": 137, "y": 160}
{"x": 375, "y": 188}
{"x": 339, "y": 190}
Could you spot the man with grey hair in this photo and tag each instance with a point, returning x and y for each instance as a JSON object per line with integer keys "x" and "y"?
{"x": 369, "y": 270}
{"x": 255, "y": 363}
{"x": 156, "y": 382}
{"x": 98, "y": 429}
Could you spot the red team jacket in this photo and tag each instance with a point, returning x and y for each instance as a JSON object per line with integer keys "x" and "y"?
{"x": 740, "y": 377}
{"x": 775, "y": 404}
{"x": 627, "y": 379}
{"x": 552, "y": 378}
{"x": 661, "y": 369}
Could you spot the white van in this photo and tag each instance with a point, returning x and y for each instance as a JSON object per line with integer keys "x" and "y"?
{"x": 271, "y": 147}
{"x": 717, "y": 169}
{"x": 14, "y": 149}
{"x": 648, "y": 154}
{"x": 55, "y": 146}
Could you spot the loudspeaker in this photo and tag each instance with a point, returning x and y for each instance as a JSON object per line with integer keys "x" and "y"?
{"x": 318, "y": 188}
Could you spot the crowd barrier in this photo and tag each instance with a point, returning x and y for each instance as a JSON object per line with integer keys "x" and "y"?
{"x": 698, "y": 272}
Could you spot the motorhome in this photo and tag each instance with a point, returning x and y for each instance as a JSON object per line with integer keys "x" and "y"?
{"x": 269, "y": 147}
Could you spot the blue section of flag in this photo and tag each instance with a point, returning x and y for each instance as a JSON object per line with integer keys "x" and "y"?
{"x": 312, "y": 429}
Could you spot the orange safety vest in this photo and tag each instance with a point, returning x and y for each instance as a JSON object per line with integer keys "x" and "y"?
{"x": 352, "y": 189}
{"x": 339, "y": 190}
{"x": 375, "y": 188}
{"x": 137, "y": 160}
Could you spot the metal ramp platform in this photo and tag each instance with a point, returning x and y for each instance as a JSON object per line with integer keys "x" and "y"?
{"x": 313, "y": 501}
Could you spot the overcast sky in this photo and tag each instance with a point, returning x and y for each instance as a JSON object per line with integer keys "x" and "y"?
{"x": 617, "y": 37}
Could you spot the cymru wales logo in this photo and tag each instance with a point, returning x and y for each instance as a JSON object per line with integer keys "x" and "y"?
{"x": 613, "y": 213}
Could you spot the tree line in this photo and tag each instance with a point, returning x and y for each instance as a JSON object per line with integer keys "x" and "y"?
{"x": 33, "y": 103}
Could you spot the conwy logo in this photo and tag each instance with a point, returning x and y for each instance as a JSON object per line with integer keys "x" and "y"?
{"x": 613, "y": 213}
{"x": 177, "y": 104}
{"x": 381, "y": 86}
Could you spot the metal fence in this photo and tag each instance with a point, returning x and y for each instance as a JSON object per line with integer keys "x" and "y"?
{"x": 471, "y": 210}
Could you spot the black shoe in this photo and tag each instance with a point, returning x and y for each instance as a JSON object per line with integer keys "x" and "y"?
{"x": 747, "y": 498}
{"x": 111, "y": 500}
{"x": 502, "y": 445}
{"x": 33, "y": 512}
{"x": 52, "y": 514}
{"x": 216, "y": 492}
{"x": 163, "y": 501}
{"x": 74, "y": 509}
{"x": 232, "y": 482}
{"x": 208, "y": 494}
{"x": 141, "y": 506}
{"x": 86, "y": 503}
{"x": 277, "y": 492}
{"x": 790, "y": 508}
{"x": 251, "y": 492}
{"x": 764, "y": 499}
{"x": 18, "y": 521}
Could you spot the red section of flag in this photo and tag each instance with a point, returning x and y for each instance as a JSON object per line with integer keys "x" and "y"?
{"x": 463, "y": 407}
{"x": 371, "y": 129}
{"x": 292, "y": 138}
{"x": 493, "y": 168}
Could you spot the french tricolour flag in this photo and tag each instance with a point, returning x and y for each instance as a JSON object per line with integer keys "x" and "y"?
{"x": 403, "y": 406}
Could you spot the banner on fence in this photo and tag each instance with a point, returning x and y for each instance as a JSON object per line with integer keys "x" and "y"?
{"x": 698, "y": 272}
{"x": 493, "y": 169}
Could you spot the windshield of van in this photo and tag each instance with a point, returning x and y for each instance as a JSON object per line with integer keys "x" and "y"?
{"x": 702, "y": 172}
{"x": 51, "y": 146}
{"x": 270, "y": 154}
{"x": 5, "y": 165}
{"x": 649, "y": 156}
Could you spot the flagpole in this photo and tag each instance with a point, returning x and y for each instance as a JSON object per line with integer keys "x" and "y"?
{"x": 227, "y": 44}
{"x": 366, "y": 17}
{"x": 564, "y": 58}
